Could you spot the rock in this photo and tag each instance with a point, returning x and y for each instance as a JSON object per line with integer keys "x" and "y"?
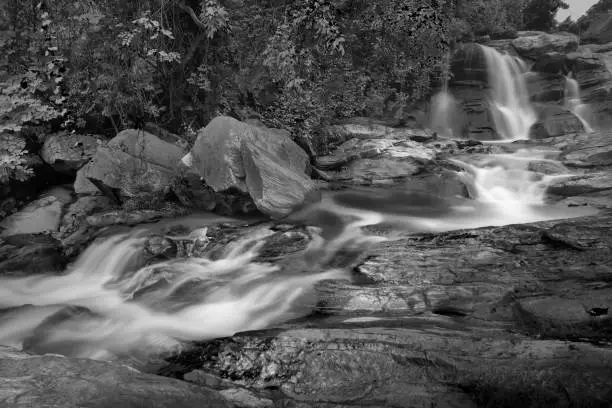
{"x": 232, "y": 156}
{"x": 56, "y": 381}
{"x": 28, "y": 255}
{"x": 560, "y": 312}
{"x": 469, "y": 66}
{"x": 478, "y": 122}
{"x": 74, "y": 217}
{"x": 581, "y": 184}
{"x": 601, "y": 200}
{"x": 335, "y": 135}
{"x": 148, "y": 148}
{"x": 503, "y": 46}
{"x": 377, "y": 161}
{"x": 134, "y": 217}
{"x": 274, "y": 190}
{"x": 586, "y": 150}
{"x": 590, "y": 70}
{"x": 534, "y": 45}
{"x": 166, "y": 136}
{"x": 599, "y": 29}
{"x": 546, "y": 88}
{"x": 245, "y": 399}
{"x": 68, "y": 152}
{"x": 42, "y": 215}
{"x": 7, "y": 207}
{"x": 549, "y": 167}
{"x": 416, "y": 362}
{"x": 598, "y": 48}
{"x": 552, "y": 63}
{"x": 555, "y": 121}
{"x": 122, "y": 172}
{"x": 159, "y": 246}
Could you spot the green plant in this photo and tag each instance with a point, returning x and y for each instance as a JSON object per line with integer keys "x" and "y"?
{"x": 13, "y": 161}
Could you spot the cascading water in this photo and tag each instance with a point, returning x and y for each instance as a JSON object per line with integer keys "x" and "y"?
{"x": 106, "y": 306}
{"x": 511, "y": 107}
{"x": 444, "y": 108}
{"x": 502, "y": 188}
{"x": 573, "y": 102}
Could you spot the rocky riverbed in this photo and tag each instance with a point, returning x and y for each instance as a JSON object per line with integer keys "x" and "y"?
{"x": 511, "y": 315}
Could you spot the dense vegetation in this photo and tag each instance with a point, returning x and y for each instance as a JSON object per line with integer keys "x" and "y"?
{"x": 101, "y": 66}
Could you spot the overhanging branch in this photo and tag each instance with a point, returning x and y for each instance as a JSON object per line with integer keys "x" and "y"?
{"x": 192, "y": 14}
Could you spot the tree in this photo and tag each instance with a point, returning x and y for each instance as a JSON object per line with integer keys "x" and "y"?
{"x": 568, "y": 25}
{"x": 540, "y": 14}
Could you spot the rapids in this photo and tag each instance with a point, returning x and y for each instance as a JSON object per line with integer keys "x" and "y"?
{"x": 109, "y": 305}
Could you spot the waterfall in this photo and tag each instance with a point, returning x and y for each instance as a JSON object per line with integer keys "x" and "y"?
{"x": 511, "y": 108}
{"x": 573, "y": 102}
{"x": 444, "y": 108}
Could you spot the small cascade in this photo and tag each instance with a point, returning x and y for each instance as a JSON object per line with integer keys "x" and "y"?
{"x": 511, "y": 107}
{"x": 573, "y": 102}
{"x": 444, "y": 108}
{"x": 502, "y": 188}
{"x": 107, "y": 305}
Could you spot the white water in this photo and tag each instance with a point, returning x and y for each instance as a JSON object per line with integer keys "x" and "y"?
{"x": 511, "y": 107}
{"x": 573, "y": 102}
{"x": 107, "y": 305}
{"x": 502, "y": 189}
{"x": 133, "y": 311}
{"x": 444, "y": 109}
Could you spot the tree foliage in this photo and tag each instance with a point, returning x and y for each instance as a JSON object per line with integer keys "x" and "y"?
{"x": 101, "y": 66}
{"x": 540, "y": 14}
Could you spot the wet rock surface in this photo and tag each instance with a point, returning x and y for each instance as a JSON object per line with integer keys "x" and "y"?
{"x": 232, "y": 156}
{"x": 56, "y": 381}
{"x": 507, "y": 316}
{"x": 42, "y": 215}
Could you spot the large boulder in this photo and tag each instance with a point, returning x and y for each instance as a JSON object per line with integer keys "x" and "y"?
{"x": 148, "y": 148}
{"x": 134, "y": 163}
{"x": 54, "y": 381}
{"x": 42, "y": 215}
{"x": 67, "y": 152}
{"x": 535, "y": 44}
{"x": 232, "y": 156}
{"x": 555, "y": 121}
{"x": 128, "y": 175}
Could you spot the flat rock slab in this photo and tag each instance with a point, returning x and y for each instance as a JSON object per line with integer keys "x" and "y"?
{"x": 58, "y": 382}
{"x": 424, "y": 362}
{"x": 473, "y": 272}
